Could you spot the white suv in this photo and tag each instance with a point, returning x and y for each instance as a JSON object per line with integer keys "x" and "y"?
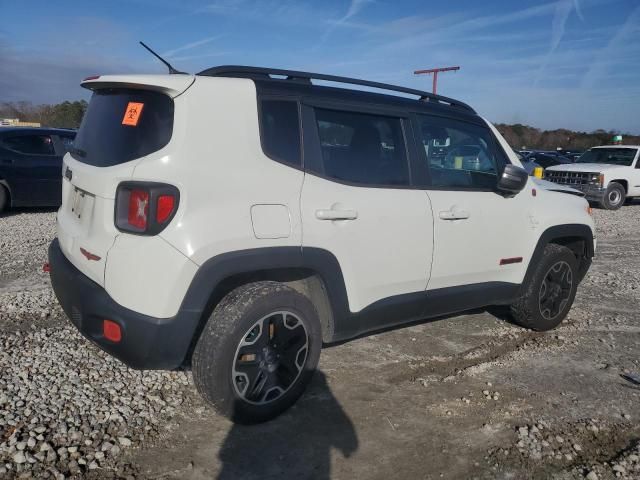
{"x": 235, "y": 220}
{"x": 607, "y": 175}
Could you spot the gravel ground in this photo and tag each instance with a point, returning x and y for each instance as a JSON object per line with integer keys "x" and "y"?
{"x": 472, "y": 396}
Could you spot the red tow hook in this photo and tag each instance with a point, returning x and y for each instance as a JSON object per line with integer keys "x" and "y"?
{"x": 46, "y": 267}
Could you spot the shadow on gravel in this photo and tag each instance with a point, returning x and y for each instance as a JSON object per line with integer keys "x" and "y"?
{"x": 297, "y": 444}
{"x": 19, "y": 210}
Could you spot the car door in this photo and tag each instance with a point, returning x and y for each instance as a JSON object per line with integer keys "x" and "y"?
{"x": 358, "y": 203}
{"x": 480, "y": 236}
{"x": 33, "y": 162}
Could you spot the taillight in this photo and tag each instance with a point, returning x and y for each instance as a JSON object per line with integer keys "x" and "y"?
{"x": 145, "y": 208}
{"x": 138, "y": 208}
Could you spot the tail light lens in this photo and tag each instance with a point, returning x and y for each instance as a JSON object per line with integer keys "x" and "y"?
{"x": 138, "y": 208}
{"x": 145, "y": 208}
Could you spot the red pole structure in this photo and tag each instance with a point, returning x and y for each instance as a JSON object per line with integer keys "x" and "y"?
{"x": 434, "y": 72}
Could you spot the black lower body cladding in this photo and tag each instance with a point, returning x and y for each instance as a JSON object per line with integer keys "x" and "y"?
{"x": 147, "y": 342}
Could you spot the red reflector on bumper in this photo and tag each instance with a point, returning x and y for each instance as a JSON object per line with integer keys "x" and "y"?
{"x": 46, "y": 267}
{"x": 111, "y": 331}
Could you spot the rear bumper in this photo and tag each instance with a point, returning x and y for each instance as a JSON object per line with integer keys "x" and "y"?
{"x": 147, "y": 342}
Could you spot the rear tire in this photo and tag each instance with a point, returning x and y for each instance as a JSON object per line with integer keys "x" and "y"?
{"x": 257, "y": 352}
{"x": 4, "y": 198}
{"x": 548, "y": 296}
{"x": 614, "y": 196}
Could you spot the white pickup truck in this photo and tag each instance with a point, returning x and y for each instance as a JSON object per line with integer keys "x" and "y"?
{"x": 607, "y": 175}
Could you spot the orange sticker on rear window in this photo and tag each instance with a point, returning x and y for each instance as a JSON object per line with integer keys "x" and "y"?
{"x": 132, "y": 114}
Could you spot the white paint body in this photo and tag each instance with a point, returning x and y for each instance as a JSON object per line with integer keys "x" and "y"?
{"x": 233, "y": 197}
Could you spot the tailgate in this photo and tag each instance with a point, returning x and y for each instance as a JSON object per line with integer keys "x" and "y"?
{"x": 85, "y": 227}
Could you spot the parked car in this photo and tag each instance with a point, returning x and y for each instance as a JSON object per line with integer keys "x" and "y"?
{"x": 608, "y": 176}
{"x": 529, "y": 165}
{"x": 572, "y": 155}
{"x": 30, "y": 166}
{"x": 546, "y": 160}
{"x": 192, "y": 232}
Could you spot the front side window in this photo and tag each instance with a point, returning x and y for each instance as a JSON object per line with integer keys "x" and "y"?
{"x": 31, "y": 144}
{"x": 362, "y": 148}
{"x": 459, "y": 154}
{"x": 281, "y": 130}
{"x": 609, "y": 156}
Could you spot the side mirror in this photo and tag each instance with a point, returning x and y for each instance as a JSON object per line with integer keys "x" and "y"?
{"x": 512, "y": 180}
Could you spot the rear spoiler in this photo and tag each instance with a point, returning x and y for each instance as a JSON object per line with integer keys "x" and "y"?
{"x": 172, "y": 85}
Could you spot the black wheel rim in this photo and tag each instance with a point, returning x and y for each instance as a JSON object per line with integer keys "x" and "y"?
{"x": 270, "y": 358}
{"x": 555, "y": 290}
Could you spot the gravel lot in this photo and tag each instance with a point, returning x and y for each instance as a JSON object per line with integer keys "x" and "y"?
{"x": 464, "y": 397}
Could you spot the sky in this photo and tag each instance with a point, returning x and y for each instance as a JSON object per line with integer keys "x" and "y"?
{"x": 550, "y": 64}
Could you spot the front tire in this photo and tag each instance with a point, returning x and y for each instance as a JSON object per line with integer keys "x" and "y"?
{"x": 549, "y": 294}
{"x": 614, "y": 196}
{"x": 257, "y": 352}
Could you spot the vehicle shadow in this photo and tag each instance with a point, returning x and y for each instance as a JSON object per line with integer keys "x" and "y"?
{"x": 298, "y": 444}
{"x": 19, "y": 210}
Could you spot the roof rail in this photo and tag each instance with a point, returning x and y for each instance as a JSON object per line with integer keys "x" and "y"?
{"x": 306, "y": 77}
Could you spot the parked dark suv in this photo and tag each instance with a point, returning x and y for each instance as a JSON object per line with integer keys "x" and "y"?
{"x": 31, "y": 165}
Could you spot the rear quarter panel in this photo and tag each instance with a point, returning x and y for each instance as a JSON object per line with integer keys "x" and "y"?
{"x": 217, "y": 162}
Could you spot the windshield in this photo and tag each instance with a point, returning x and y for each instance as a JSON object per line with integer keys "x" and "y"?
{"x": 123, "y": 124}
{"x": 611, "y": 156}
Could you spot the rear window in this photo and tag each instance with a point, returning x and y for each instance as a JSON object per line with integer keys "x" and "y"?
{"x": 121, "y": 125}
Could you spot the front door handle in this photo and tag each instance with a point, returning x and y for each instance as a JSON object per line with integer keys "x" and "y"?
{"x": 6, "y": 161}
{"x": 454, "y": 214}
{"x": 336, "y": 214}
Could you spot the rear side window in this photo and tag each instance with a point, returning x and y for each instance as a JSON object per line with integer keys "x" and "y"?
{"x": 121, "y": 125}
{"x": 362, "y": 148}
{"x": 31, "y": 144}
{"x": 460, "y": 154}
{"x": 280, "y": 134}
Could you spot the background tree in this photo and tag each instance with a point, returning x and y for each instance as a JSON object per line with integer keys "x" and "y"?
{"x": 61, "y": 115}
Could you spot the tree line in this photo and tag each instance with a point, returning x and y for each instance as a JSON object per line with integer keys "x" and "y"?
{"x": 520, "y": 136}
{"x": 69, "y": 114}
{"x": 61, "y": 115}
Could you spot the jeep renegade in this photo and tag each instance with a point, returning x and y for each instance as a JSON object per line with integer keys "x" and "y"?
{"x": 236, "y": 220}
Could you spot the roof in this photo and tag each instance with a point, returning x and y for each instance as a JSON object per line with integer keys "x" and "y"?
{"x": 617, "y": 146}
{"x": 294, "y": 77}
{"x": 37, "y": 130}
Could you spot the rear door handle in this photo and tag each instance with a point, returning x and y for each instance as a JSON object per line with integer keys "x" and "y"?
{"x": 6, "y": 161}
{"x": 454, "y": 214}
{"x": 336, "y": 214}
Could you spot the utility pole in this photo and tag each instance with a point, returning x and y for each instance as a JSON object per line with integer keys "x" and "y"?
{"x": 434, "y": 72}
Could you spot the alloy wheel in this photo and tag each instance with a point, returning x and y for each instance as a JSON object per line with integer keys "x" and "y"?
{"x": 270, "y": 357}
{"x": 555, "y": 290}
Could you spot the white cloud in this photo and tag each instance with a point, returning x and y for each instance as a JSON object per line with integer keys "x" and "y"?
{"x": 624, "y": 41}
{"x": 189, "y": 46}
